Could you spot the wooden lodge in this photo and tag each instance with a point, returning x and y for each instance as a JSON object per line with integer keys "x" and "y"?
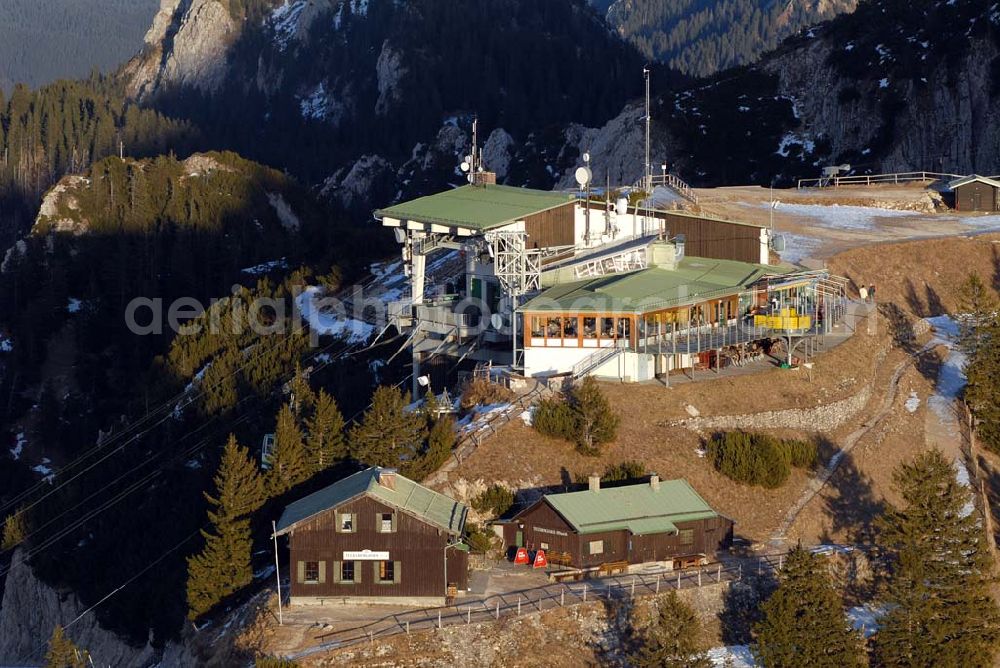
{"x": 659, "y": 521}
{"x": 375, "y": 536}
{"x": 976, "y": 193}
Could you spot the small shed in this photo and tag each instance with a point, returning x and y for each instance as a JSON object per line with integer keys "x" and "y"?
{"x": 659, "y": 521}
{"x": 976, "y": 193}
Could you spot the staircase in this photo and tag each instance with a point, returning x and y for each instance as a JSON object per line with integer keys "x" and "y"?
{"x": 668, "y": 181}
{"x": 596, "y": 359}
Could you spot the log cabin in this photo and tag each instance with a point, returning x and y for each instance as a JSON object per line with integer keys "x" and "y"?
{"x": 658, "y": 521}
{"x": 976, "y": 193}
{"x": 377, "y": 537}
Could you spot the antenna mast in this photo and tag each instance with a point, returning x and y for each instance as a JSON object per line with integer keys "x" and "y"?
{"x": 648, "y": 174}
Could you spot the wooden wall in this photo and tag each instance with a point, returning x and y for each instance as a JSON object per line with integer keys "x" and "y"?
{"x": 718, "y": 239}
{"x": 977, "y": 196}
{"x": 418, "y": 546}
{"x": 554, "y": 227}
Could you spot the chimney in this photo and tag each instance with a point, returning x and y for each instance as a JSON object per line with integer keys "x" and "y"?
{"x": 654, "y": 482}
{"x": 484, "y": 178}
{"x": 594, "y": 482}
{"x": 387, "y": 478}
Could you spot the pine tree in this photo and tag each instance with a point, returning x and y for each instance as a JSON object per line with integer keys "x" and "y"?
{"x": 671, "y": 641}
{"x": 388, "y": 435}
{"x": 223, "y": 566}
{"x": 326, "y": 442}
{"x": 239, "y": 486}
{"x": 596, "y": 422}
{"x": 15, "y": 529}
{"x": 440, "y": 442}
{"x": 982, "y": 391}
{"x": 803, "y": 621}
{"x": 941, "y": 612}
{"x": 63, "y": 652}
{"x": 302, "y": 397}
{"x": 978, "y": 306}
{"x": 289, "y": 464}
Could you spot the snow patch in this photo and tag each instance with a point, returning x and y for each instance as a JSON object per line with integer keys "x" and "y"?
{"x": 20, "y": 440}
{"x": 317, "y": 105}
{"x": 266, "y": 267}
{"x": 844, "y": 217}
{"x": 865, "y": 618}
{"x": 285, "y": 22}
{"x": 6, "y": 345}
{"x": 883, "y": 83}
{"x": 48, "y": 475}
{"x": 287, "y": 217}
{"x": 792, "y": 139}
{"x": 732, "y": 656}
{"x": 798, "y": 247}
{"x": 331, "y": 323}
{"x": 74, "y": 305}
{"x": 912, "y": 403}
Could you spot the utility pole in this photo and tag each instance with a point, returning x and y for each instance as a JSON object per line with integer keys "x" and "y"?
{"x": 277, "y": 570}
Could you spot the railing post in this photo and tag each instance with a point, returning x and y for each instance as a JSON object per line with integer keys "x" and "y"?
{"x": 678, "y": 580}
{"x": 407, "y": 627}
{"x": 718, "y": 575}
{"x": 633, "y": 586}
{"x": 657, "y": 583}
{"x": 562, "y": 597}
{"x": 468, "y": 615}
{"x": 584, "y": 592}
{"x": 439, "y": 618}
{"x": 699, "y": 576}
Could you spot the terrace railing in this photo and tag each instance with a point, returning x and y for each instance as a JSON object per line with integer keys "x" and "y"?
{"x": 869, "y": 179}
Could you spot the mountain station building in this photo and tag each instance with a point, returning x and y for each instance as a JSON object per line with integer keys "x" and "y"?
{"x": 375, "y": 536}
{"x": 976, "y": 193}
{"x": 555, "y": 284}
{"x": 658, "y": 521}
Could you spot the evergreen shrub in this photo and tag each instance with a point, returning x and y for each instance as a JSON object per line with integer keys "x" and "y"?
{"x": 496, "y": 499}
{"x": 759, "y": 459}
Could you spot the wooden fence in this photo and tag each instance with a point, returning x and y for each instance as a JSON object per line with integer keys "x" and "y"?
{"x": 869, "y": 179}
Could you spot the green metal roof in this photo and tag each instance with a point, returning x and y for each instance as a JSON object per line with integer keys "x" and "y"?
{"x": 639, "y": 508}
{"x": 695, "y": 279}
{"x": 408, "y": 496}
{"x": 478, "y": 208}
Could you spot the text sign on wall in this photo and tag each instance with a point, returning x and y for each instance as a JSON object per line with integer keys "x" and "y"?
{"x": 366, "y": 555}
{"x": 551, "y": 531}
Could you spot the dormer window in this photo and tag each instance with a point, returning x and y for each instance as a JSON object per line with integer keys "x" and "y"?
{"x": 386, "y": 522}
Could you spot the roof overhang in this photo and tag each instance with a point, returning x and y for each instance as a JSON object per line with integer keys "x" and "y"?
{"x": 973, "y": 178}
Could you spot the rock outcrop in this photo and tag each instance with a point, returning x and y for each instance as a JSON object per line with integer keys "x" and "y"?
{"x": 187, "y": 45}
{"x": 31, "y": 609}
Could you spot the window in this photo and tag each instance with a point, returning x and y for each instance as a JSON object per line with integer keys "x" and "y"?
{"x": 596, "y": 547}
{"x": 589, "y": 327}
{"x": 543, "y": 546}
{"x": 537, "y": 329}
{"x": 347, "y": 571}
{"x": 312, "y": 572}
{"x": 386, "y": 571}
{"x": 687, "y": 536}
{"x": 386, "y": 522}
{"x": 345, "y": 522}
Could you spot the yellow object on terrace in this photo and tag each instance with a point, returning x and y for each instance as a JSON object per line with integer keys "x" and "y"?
{"x": 788, "y": 319}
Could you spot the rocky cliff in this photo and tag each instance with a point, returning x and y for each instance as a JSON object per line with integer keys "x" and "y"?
{"x": 31, "y": 609}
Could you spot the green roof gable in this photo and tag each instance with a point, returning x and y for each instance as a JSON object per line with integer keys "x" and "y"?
{"x": 478, "y": 208}
{"x": 408, "y": 496}
{"x": 638, "y": 508}
{"x": 694, "y": 280}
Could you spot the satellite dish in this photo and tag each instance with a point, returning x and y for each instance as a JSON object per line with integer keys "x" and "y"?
{"x": 465, "y": 166}
{"x": 583, "y": 176}
{"x": 845, "y": 168}
{"x": 497, "y": 321}
{"x": 586, "y": 157}
{"x": 621, "y": 206}
{"x": 400, "y": 235}
{"x": 423, "y": 381}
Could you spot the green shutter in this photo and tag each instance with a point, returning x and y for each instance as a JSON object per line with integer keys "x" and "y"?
{"x": 322, "y": 572}
{"x": 300, "y": 576}
{"x": 358, "y": 570}
{"x": 394, "y": 522}
{"x": 336, "y": 571}
{"x": 396, "y": 570}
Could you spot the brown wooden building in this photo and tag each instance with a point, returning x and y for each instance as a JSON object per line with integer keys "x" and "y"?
{"x": 658, "y": 521}
{"x": 373, "y": 536}
{"x": 976, "y": 193}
